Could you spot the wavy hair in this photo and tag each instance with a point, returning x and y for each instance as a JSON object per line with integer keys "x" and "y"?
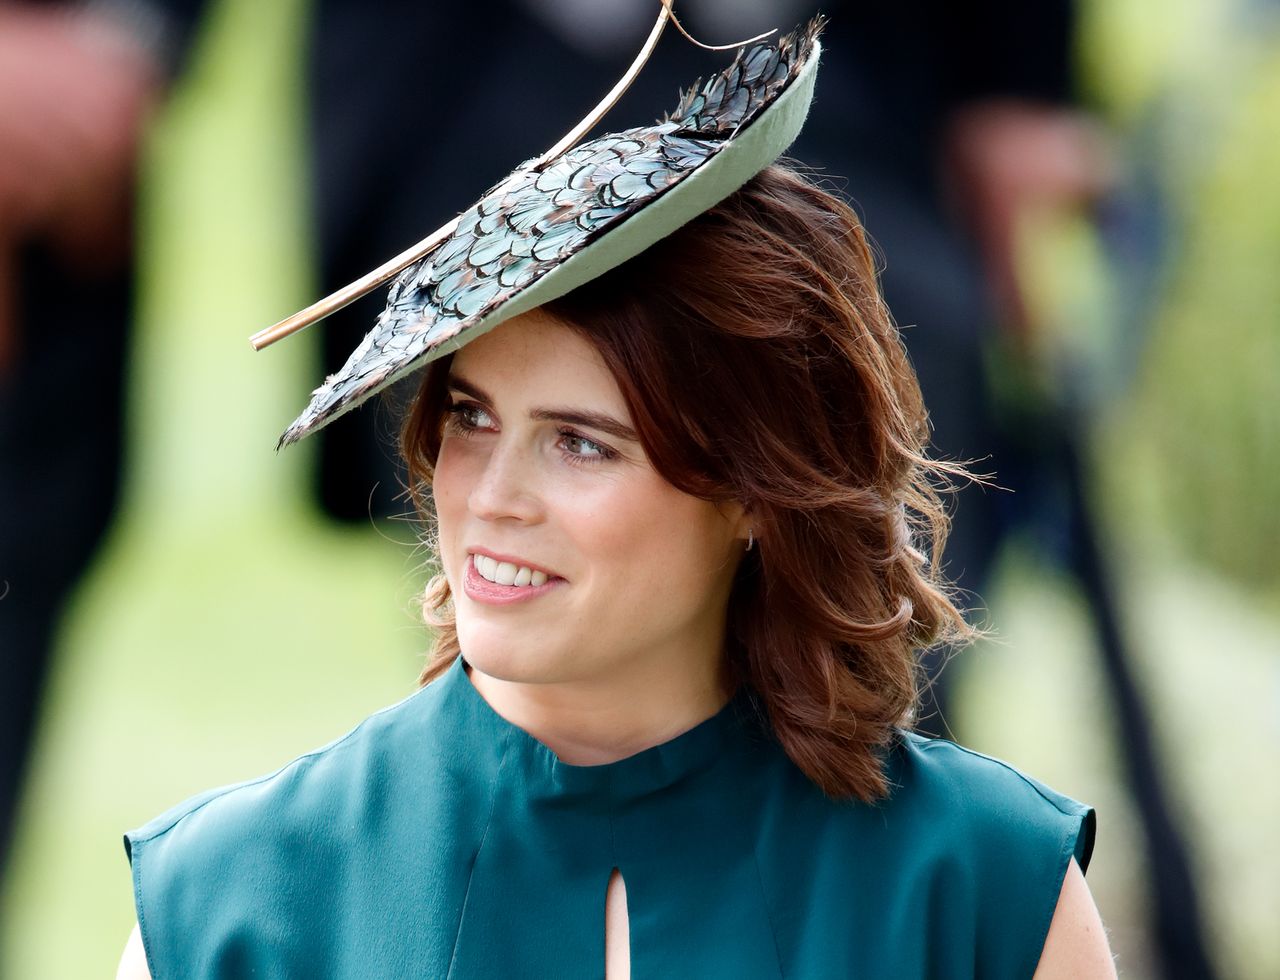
{"x": 760, "y": 364}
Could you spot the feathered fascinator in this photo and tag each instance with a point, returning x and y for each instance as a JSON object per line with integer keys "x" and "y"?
{"x": 560, "y": 220}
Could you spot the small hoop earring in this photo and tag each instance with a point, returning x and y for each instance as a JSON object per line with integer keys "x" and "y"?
{"x": 751, "y": 538}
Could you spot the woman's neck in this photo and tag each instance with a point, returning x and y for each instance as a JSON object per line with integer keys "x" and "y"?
{"x": 595, "y": 723}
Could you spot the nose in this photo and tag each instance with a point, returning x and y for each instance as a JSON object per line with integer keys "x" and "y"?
{"x": 506, "y": 488}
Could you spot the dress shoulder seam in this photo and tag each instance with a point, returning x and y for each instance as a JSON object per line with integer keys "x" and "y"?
{"x": 927, "y": 744}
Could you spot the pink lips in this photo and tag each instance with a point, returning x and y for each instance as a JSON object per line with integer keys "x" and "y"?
{"x": 479, "y": 588}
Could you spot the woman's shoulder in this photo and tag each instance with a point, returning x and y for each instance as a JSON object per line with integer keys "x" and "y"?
{"x": 972, "y": 785}
{"x": 220, "y": 875}
{"x": 324, "y": 797}
{"x": 981, "y": 805}
{"x": 964, "y": 858}
{"x": 322, "y": 774}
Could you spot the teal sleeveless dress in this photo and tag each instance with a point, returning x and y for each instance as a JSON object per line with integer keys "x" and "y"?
{"x": 438, "y": 840}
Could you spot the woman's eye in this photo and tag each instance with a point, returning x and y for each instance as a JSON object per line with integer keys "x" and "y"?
{"x": 581, "y": 448}
{"x": 468, "y": 417}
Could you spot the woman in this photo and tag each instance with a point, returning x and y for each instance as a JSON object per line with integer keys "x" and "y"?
{"x": 689, "y": 543}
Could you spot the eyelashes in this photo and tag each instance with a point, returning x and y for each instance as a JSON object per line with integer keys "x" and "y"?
{"x": 465, "y": 419}
{"x": 570, "y": 439}
{"x": 459, "y": 421}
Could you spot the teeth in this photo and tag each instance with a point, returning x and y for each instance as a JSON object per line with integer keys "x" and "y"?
{"x": 507, "y": 573}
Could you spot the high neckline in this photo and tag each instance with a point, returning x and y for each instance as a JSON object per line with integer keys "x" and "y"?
{"x": 647, "y": 771}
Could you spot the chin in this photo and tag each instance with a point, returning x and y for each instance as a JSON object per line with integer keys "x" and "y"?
{"x": 508, "y": 655}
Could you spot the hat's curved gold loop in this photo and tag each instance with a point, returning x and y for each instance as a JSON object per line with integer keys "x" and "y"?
{"x": 671, "y": 4}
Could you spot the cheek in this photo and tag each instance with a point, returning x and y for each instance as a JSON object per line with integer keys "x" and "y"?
{"x": 660, "y": 546}
{"x": 449, "y": 491}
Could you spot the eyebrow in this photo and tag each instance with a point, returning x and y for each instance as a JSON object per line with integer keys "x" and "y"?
{"x": 573, "y": 416}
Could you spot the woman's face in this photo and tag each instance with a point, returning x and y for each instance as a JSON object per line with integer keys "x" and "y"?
{"x": 570, "y": 559}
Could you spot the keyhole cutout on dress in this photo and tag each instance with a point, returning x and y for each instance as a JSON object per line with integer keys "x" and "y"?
{"x": 617, "y": 930}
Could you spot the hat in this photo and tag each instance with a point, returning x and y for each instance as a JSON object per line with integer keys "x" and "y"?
{"x": 554, "y": 224}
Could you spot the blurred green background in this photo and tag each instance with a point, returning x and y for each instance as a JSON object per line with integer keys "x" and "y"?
{"x": 226, "y": 628}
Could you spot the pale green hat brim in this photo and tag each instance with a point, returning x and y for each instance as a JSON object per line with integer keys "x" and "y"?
{"x": 765, "y": 139}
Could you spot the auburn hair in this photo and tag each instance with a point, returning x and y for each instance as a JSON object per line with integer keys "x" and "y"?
{"x": 760, "y": 365}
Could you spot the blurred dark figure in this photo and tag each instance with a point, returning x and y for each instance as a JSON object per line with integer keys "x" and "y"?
{"x": 953, "y": 122}
{"x": 77, "y": 85}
